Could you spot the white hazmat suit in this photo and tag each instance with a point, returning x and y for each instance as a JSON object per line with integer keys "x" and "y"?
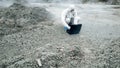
{"x": 69, "y": 16}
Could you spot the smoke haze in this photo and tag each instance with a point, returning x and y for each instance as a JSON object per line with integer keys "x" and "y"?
{"x": 6, "y": 3}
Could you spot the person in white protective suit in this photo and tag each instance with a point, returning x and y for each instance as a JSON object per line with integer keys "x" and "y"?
{"x": 69, "y": 17}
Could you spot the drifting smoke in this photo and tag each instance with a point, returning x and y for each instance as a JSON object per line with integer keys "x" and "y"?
{"x": 74, "y": 1}
{"x": 6, "y": 3}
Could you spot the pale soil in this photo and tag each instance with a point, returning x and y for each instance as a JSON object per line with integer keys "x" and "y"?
{"x": 97, "y": 45}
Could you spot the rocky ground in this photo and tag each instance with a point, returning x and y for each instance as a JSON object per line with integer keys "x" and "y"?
{"x": 32, "y": 33}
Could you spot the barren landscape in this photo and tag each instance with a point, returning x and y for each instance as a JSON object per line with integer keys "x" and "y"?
{"x": 34, "y": 31}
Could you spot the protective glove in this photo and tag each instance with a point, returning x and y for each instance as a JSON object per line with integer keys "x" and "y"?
{"x": 66, "y": 28}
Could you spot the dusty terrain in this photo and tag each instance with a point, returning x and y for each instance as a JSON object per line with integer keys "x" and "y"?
{"x": 97, "y": 45}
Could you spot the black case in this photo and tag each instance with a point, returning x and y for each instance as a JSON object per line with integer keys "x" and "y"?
{"x": 75, "y": 29}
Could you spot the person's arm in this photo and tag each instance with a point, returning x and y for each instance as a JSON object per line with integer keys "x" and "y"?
{"x": 77, "y": 20}
{"x": 64, "y": 20}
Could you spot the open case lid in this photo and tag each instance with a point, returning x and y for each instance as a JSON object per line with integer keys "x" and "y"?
{"x": 75, "y": 29}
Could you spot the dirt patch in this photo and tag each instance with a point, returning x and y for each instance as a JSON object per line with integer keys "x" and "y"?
{"x": 70, "y": 58}
{"x": 61, "y": 58}
{"x": 95, "y": 47}
{"x": 108, "y": 56}
{"x": 13, "y": 19}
